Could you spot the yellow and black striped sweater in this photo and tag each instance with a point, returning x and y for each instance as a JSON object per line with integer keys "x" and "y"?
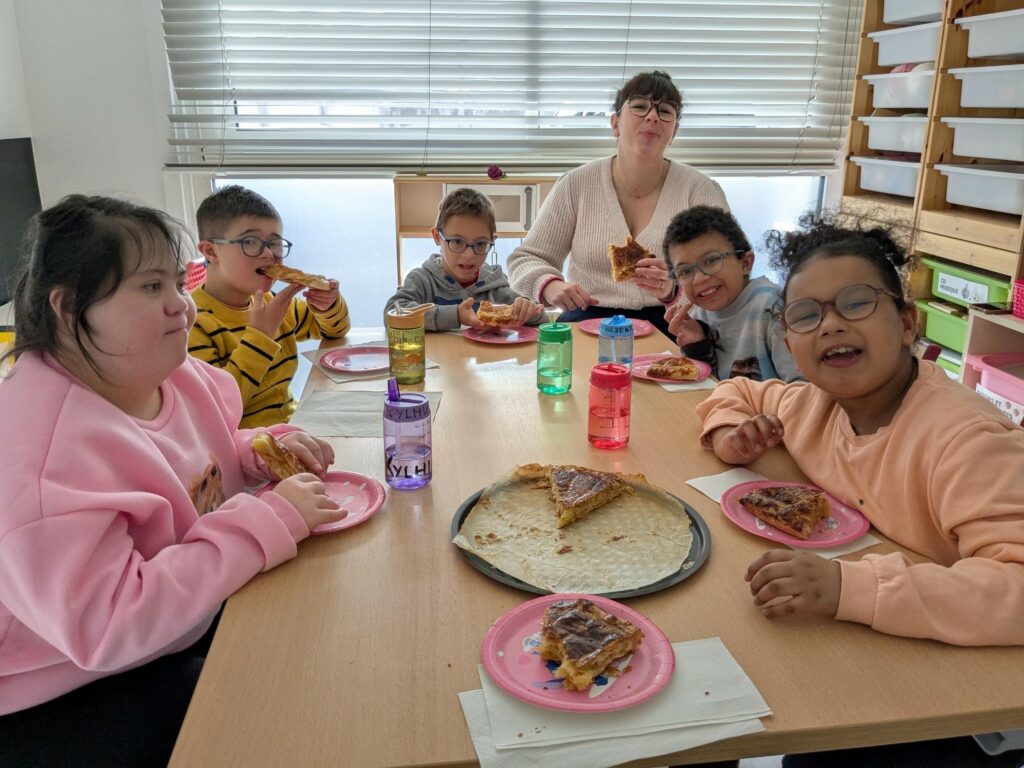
{"x": 262, "y": 366}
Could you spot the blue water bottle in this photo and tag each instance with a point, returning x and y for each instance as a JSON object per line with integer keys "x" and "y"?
{"x": 407, "y": 454}
{"x": 615, "y": 341}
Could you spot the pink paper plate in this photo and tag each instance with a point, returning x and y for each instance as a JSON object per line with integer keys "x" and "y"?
{"x": 640, "y": 327}
{"x": 356, "y": 359}
{"x": 642, "y": 362}
{"x": 513, "y": 335}
{"x": 362, "y": 496}
{"x": 843, "y": 525}
{"x": 509, "y": 655}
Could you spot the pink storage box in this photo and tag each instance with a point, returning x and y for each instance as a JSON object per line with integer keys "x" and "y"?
{"x": 1002, "y": 375}
{"x": 1018, "y": 298}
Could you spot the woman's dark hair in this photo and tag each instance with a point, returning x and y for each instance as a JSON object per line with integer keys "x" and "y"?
{"x": 702, "y": 220}
{"x": 86, "y": 246}
{"x": 657, "y": 86}
{"x": 820, "y": 235}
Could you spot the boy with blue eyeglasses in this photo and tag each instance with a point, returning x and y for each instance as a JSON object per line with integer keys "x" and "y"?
{"x": 725, "y": 318}
{"x": 456, "y": 280}
{"x": 241, "y": 326}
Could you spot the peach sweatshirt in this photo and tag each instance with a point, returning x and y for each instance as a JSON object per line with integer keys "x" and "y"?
{"x": 945, "y": 479}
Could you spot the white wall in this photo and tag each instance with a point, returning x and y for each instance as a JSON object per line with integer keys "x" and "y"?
{"x": 14, "y": 122}
{"x": 98, "y": 95}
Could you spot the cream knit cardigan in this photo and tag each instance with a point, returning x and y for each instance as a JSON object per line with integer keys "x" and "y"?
{"x": 582, "y": 216}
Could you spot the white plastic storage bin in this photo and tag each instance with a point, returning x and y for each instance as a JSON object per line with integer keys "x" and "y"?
{"x": 992, "y": 187}
{"x": 1001, "y": 86}
{"x": 896, "y": 134}
{"x": 991, "y": 137}
{"x": 894, "y": 177}
{"x": 904, "y": 90}
{"x": 911, "y": 11}
{"x": 909, "y": 45}
{"x": 995, "y": 34}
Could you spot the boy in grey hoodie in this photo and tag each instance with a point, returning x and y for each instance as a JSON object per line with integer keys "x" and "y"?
{"x": 457, "y": 279}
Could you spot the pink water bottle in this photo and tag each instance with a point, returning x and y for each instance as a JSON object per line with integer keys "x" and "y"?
{"x": 611, "y": 390}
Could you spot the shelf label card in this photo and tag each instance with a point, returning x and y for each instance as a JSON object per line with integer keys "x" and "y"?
{"x": 962, "y": 290}
{"x": 1012, "y": 410}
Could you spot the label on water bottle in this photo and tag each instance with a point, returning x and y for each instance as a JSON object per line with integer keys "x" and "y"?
{"x": 412, "y": 466}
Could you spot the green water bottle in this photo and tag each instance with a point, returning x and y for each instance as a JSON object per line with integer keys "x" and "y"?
{"x": 554, "y": 358}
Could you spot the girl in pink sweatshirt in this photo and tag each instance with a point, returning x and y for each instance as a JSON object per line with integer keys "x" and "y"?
{"x": 932, "y": 465}
{"x": 123, "y": 518}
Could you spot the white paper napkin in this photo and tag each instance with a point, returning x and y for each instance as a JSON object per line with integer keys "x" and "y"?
{"x": 338, "y": 377}
{"x": 708, "y": 698}
{"x": 355, "y": 413}
{"x": 713, "y": 486}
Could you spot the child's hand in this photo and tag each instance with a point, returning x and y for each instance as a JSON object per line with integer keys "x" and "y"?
{"x": 682, "y": 326}
{"x": 786, "y": 583}
{"x": 748, "y": 441}
{"x": 652, "y": 275}
{"x": 323, "y": 300}
{"x": 524, "y": 309}
{"x": 312, "y": 451}
{"x": 308, "y": 495}
{"x": 466, "y": 314}
{"x": 266, "y": 317}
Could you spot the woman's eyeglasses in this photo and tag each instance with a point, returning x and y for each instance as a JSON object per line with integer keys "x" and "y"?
{"x": 667, "y": 113}
{"x": 459, "y": 245}
{"x": 709, "y": 265}
{"x": 854, "y": 302}
{"x": 254, "y": 246}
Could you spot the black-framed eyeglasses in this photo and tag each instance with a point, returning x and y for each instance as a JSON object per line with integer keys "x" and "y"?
{"x": 666, "y": 111}
{"x": 459, "y": 245}
{"x": 254, "y": 246}
{"x": 710, "y": 264}
{"x": 854, "y": 302}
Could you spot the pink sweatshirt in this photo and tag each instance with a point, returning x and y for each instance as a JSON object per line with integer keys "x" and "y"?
{"x": 105, "y": 562}
{"x": 945, "y": 479}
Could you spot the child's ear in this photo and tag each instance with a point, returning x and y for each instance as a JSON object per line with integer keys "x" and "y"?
{"x": 908, "y": 317}
{"x": 747, "y": 262}
{"x": 60, "y": 300}
{"x": 208, "y": 250}
{"x": 615, "y": 124}
{"x": 436, "y": 234}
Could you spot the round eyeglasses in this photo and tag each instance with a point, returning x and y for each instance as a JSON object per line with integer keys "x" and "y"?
{"x": 854, "y": 302}
{"x": 710, "y": 264}
{"x": 667, "y": 112}
{"x": 254, "y": 246}
{"x": 459, "y": 245}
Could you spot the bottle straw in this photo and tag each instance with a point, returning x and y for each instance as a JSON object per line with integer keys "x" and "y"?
{"x": 394, "y": 395}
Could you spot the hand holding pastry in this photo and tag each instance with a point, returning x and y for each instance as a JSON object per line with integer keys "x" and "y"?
{"x": 682, "y": 326}
{"x": 524, "y": 309}
{"x": 313, "y": 452}
{"x": 748, "y": 441}
{"x": 787, "y": 583}
{"x": 652, "y": 275}
{"x": 466, "y": 314}
{"x": 320, "y": 299}
{"x": 308, "y": 495}
{"x": 266, "y": 316}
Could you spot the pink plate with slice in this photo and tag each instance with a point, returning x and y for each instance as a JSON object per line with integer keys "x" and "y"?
{"x": 640, "y": 327}
{"x": 642, "y": 362}
{"x": 520, "y": 334}
{"x": 361, "y": 495}
{"x": 843, "y": 525}
{"x": 356, "y": 359}
{"x": 509, "y": 655}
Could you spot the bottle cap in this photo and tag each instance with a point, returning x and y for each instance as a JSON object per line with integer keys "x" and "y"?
{"x": 618, "y": 325}
{"x": 405, "y": 316}
{"x": 610, "y": 376}
{"x": 410, "y": 406}
{"x": 555, "y": 332}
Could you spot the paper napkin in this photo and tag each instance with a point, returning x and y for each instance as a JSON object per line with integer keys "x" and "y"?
{"x": 348, "y": 413}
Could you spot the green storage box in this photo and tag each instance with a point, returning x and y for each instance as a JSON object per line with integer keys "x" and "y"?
{"x": 951, "y": 282}
{"x": 948, "y": 365}
{"x": 944, "y": 329}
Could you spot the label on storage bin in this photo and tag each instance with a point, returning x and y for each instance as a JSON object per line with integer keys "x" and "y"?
{"x": 1012, "y": 410}
{"x": 963, "y": 290}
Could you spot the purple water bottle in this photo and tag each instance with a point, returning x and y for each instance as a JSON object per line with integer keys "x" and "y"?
{"x": 611, "y": 391}
{"x": 407, "y": 455}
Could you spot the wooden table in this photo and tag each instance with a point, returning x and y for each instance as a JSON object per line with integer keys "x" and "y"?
{"x": 354, "y": 652}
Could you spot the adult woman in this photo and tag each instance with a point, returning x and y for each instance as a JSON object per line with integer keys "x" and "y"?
{"x": 634, "y": 192}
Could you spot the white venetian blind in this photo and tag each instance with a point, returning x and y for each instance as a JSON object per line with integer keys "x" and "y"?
{"x": 527, "y": 84}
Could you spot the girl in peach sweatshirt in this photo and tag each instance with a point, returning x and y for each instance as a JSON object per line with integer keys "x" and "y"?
{"x": 123, "y": 518}
{"x": 932, "y": 465}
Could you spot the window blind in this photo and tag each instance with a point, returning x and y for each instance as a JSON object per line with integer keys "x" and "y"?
{"x": 527, "y": 84}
